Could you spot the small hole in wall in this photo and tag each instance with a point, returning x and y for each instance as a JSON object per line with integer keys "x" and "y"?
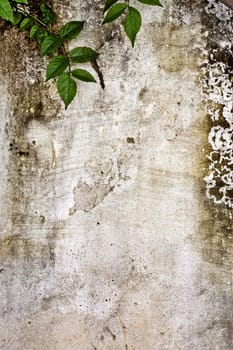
{"x": 34, "y": 142}
{"x": 130, "y": 140}
{"x": 97, "y": 223}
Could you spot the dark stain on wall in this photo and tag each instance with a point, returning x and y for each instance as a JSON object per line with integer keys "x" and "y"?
{"x": 214, "y": 235}
{"x": 30, "y": 99}
{"x": 214, "y": 231}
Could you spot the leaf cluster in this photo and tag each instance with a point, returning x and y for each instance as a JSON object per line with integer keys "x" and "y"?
{"x": 113, "y": 9}
{"x": 54, "y": 43}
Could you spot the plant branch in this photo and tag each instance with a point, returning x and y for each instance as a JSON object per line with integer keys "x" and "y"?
{"x": 27, "y": 14}
{"x": 96, "y": 67}
{"x": 64, "y": 49}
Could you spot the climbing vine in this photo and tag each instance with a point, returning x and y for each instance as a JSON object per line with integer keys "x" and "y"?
{"x": 54, "y": 43}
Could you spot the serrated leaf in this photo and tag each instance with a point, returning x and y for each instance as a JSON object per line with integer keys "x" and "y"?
{"x": 67, "y": 88}
{"x": 34, "y": 30}
{"x": 22, "y": 1}
{"x": 83, "y": 75}
{"x": 17, "y": 16}
{"x": 71, "y": 29}
{"x": 114, "y": 12}
{"x": 48, "y": 16}
{"x": 151, "y": 2}
{"x": 50, "y": 44}
{"x": 26, "y": 23}
{"x": 83, "y": 54}
{"x": 108, "y": 3}
{"x": 132, "y": 24}
{"x": 56, "y": 66}
{"x": 6, "y": 11}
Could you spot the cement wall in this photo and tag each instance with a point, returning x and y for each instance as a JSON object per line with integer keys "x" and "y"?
{"x": 116, "y": 215}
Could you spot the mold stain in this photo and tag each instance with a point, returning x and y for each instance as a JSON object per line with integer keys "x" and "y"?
{"x": 217, "y": 86}
{"x": 213, "y": 238}
{"x": 214, "y": 235}
{"x": 215, "y": 231}
{"x": 178, "y": 53}
{"x": 24, "y": 70}
{"x": 15, "y": 247}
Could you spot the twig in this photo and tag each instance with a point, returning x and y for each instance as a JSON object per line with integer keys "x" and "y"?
{"x": 96, "y": 67}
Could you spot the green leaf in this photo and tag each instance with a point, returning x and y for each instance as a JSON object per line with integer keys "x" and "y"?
{"x": 34, "y": 31}
{"x": 17, "y": 18}
{"x": 6, "y": 11}
{"x": 40, "y": 35}
{"x": 114, "y": 12}
{"x": 108, "y": 3}
{"x": 22, "y": 1}
{"x": 26, "y": 23}
{"x": 56, "y": 66}
{"x": 132, "y": 24}
{"x": 71, "y": 29}
{"x": 48, "y": 16}
{"x": 83, "y": 54}
{"x": 83, "y": 75}
{"x": 151, "y": 2}
{"x": 67, "y": 88}
{"x": 50, "y": 44}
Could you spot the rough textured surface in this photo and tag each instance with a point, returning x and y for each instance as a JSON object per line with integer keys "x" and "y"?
{"x": 110, "y": 238}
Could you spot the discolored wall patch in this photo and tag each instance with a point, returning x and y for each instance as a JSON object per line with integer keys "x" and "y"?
{"x": 217, "y": 85}
{"x": 111, "y": 242}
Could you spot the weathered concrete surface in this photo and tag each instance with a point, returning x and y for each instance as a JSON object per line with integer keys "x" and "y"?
{"x": 108, "y": 239}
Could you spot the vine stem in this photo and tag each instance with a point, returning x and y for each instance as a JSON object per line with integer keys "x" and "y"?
{"x": 96, "y": 67}
{"x": 67, "y": 56}
{"x": 27, "y": 14}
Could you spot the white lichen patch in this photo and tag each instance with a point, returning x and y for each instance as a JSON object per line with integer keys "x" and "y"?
{"x": 218, "y": 93}
{"x": 216, "y": 8}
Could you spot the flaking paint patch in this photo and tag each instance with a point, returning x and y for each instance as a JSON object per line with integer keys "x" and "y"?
{"x": 215, "y": 229}
{"x": 214, "y": 232}
{"x": 87, "y": 197}
{"x": 216, "y": 213}
{"x": 217, "y": 85}
{"x": 102, "y": 177}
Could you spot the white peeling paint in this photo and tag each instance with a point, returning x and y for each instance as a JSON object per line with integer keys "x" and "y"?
{"x": 218, "y": 91}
